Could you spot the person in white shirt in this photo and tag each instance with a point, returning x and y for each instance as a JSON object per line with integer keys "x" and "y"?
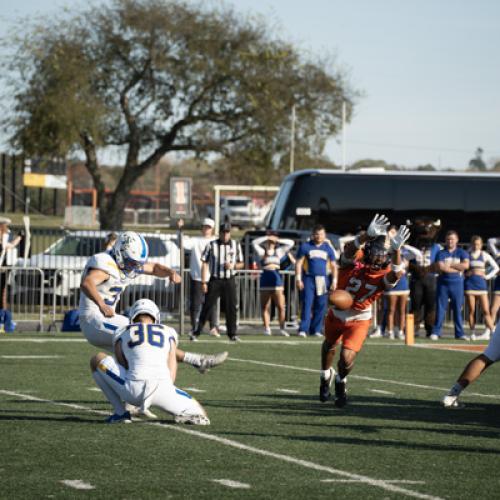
{"x": 142, "y": 372}
{"x": 8, "y": 256}
{"x": 196, "y": 246}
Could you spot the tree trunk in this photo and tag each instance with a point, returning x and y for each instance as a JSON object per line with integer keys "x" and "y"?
{"x": 112, "y": 218}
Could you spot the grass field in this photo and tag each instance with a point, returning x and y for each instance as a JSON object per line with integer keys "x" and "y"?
{"x": 270, "y": 436}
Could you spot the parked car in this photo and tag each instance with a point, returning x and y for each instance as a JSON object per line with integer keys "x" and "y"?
{"x": 63, "y": 261}
{"x": 240, "y": 211}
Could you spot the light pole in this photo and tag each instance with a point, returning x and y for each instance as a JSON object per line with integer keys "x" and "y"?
{"x": 292, "y": 141}
{"x": 343, "y": 135}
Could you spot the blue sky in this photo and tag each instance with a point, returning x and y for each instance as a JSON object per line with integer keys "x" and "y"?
{"x": 428, "y": 68}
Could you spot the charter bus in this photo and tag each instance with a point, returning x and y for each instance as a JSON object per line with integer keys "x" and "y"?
{"x": 344, "y": 202}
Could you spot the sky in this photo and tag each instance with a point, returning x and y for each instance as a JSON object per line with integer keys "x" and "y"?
{"x": 428, "y": 69}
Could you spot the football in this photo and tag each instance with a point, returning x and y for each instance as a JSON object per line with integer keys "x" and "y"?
{"x": 341, "y": 299}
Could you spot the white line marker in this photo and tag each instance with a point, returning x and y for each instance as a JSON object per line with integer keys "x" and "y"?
{"x": 27, "y": 356}
{"x": 77, "y": 484}
{"x": 231, "y": 484}
{"x": 361, "y": 377}
{"x": 390, "y": 481}
{"x": 288, "y": 391}
{"x": 194, "y": 389}
{"x": 378, "y": 391}
{"x": 378, "y": 483}
{"x": 40, "y": 341}
{"x": 96, "y": 389}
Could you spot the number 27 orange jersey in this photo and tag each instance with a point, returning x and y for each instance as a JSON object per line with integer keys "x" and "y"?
{"x": 363, "y": 284}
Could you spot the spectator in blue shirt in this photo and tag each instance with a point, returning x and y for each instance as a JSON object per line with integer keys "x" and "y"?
{"x": 315, "y": 262}
{"x": 451, "y": 262}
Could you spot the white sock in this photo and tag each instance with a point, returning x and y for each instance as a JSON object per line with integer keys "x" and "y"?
{"x": 325, "y": 374}
{"x": 193, "y": 359}
{"x": 110, "y": 394}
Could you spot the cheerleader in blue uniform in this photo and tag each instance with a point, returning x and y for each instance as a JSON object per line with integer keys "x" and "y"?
{"x": 270, "y": 251}
{"x": 397, "y": 297}
{"x": 493, "y": 244}
{"x": 476, "y": 287}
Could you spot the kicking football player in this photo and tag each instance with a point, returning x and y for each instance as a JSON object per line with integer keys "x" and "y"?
{"x": 142, "y": 372}
{"x": 105, "y": 277}
{"x": 365, "y": 274}
{"x": 473, "y": 370}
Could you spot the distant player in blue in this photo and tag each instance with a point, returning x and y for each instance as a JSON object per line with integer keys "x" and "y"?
{"x": 315, "y": 262}
{"x": 451, "y": 262}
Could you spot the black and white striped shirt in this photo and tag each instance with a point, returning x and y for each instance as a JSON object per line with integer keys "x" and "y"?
{"x": 217, "y": 253}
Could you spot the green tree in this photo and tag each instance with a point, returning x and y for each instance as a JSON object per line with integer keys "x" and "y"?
{"x": 154, "y": 76}
{"x": 477, "y": 163}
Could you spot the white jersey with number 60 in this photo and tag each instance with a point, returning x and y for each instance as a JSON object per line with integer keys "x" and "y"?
{"x": 146, "y": 348}
{"x": 110, "y": 290}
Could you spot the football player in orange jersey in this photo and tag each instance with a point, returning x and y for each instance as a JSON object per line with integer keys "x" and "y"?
{"x": 365, "y": 273}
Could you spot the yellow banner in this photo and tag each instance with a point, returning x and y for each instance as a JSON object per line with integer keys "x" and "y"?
{"x": 44, "y": 180}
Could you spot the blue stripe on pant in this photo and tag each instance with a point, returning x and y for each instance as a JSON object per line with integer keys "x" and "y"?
{"x": 453, "y": 290}
{"x": 316, "y": 303}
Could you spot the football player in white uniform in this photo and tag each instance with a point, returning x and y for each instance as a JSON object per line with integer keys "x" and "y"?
{"x": 143, "y": 371}
{"x": 106, "y": 276}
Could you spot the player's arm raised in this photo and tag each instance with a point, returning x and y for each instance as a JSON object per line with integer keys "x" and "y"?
{"x": 378, "y": 227}
{"x": 397, "y": 265}
{"x": 161, "y": 271}
{"x": 88, "y": 286}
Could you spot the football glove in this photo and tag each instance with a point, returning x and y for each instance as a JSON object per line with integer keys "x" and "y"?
{"x": 400, "y": 238}
{"x": 378, "y": 226}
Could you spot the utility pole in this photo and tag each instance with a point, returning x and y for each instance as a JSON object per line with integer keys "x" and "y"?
{"x": 292, "y": 141}
{"x": 343, "y": 136}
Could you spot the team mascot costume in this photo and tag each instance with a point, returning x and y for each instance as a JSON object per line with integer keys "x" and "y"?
{"x": 424, "y": 233}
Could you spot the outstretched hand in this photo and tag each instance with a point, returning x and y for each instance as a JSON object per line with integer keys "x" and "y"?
{"x": 400, "y": 238}
{"x": 378, "y": 226}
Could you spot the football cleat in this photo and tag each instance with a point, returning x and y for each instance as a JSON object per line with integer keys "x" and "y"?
{"x": 192, "y": 419}
{"x": 234, "y": 339}
{"x": 211, "y": 361}
{"x": 324, "y": 386}
{"x": 125, "y": 418}
{"x": 451, "y": 401}
{"x": 340, "y": 393}
{"x": 267, "y": 331}
{"x": 376, "y": 333}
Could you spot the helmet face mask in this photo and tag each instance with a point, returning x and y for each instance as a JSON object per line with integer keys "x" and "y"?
{"x": 145, "y": 306}
{"x": 376, "y": 255}
{"x": 130, "y": 253}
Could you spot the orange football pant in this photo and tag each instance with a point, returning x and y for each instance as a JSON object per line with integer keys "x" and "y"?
{"x": 351, "y": 333}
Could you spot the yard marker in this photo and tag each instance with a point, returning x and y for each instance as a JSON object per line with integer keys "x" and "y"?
{"x": 378, "y": 483}
{"x": 231, "y": 484}
{"x": 410, "y": 329}
{"x": 77, "y": 484}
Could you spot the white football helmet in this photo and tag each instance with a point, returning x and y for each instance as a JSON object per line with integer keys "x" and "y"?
{"x": 144, "y": 306}
{"x": 130, "y": 253}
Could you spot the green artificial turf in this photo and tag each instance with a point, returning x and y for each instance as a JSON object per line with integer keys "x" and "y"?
{"x": 271, "y": 431}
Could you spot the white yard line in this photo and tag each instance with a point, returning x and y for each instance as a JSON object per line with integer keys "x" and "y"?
{"x": 378, "y": 391}
{"x": 232, "y": 484}
{"x": 361, "y": 377}
{"x": 288, "y": 391}
{"x": 251, "y": 449}
{"x": 77, "y": 484}
{"x": 391, "y": 481}
{"x": 193, "y": 389}
{"x": 29, "y": 356}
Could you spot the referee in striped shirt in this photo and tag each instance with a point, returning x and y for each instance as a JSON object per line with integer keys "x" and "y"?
{"x": 222, "y": 257}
